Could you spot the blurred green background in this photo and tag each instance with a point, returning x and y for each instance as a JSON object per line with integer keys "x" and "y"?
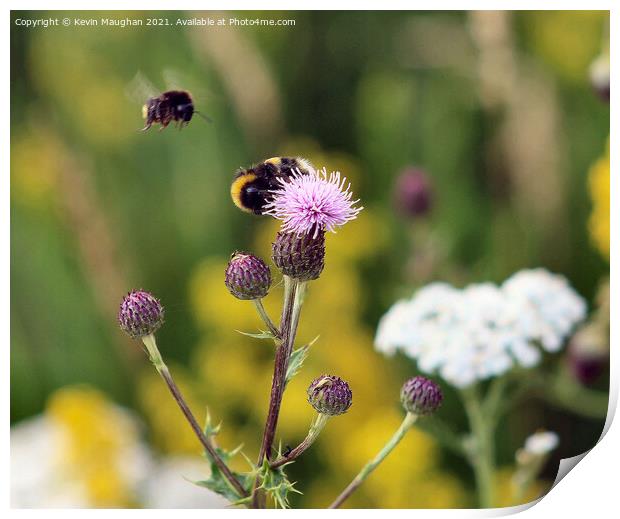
{"x": 496, "y": 107}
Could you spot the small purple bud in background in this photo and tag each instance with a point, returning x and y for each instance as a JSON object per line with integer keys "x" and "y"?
{"x": 588, "y": 353}
{"x": 330, "y": 395}
{"x": 247, "y": 277}
{"x": 140, "y": 314}
{"x": 599, "y": 76}
{"x": 420, "y": 396}
{"x": 299, "y": 256}
{"x": 413, "y": 195}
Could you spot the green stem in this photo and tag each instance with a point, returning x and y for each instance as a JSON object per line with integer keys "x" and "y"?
{"x": 408, "y": 422}
{"x": 162, "y": 369}
{"x": 266, "y": 319}
{"x": 482, "y": 451}
{"x": 315, "y": 429}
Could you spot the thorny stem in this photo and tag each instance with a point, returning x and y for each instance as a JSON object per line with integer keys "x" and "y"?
{"x": 293, "y": 297}
{"x": 315, "y": 429}
{"x": 481, "y": 456}
{"x": 408, "y": 422}
{"x": 266, "y": 319}
{"x": 162, "y": 369}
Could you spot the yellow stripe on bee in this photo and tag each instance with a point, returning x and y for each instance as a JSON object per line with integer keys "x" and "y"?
{"x": 237, "y": 186}
{"x": 274, "y": 160}
{"x": 145, "y": 111}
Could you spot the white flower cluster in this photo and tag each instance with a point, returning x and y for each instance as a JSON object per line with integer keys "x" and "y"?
{"x": 482, "y": 330}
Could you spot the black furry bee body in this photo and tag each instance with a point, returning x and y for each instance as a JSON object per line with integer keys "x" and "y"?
{"x": 173, "y": 105}
{"x": 251, "y": 187}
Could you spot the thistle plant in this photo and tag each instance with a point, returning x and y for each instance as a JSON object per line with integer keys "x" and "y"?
{"x": 309, "y": 205}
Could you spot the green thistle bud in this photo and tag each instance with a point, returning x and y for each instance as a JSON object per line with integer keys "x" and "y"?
{"x": 300, "y": 256}
{"x": 420, "y": 396}
{"x": 330, "y": 395}
{"x": 247, "y": 277}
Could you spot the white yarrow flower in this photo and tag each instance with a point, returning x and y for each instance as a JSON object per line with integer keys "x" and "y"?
{"x": 483, "y": 330}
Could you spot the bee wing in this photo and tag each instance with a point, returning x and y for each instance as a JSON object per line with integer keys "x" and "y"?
{"x": 139, "y": 89}
{"x": 175, "y": 80}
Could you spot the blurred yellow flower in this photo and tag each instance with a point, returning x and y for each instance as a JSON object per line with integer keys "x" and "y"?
{"x": 170, "y": 432}
{"x": 568, "y": 40}
{"x": 36, "y": 161}
{"x": 94, "y": 435}
{"x": 598, "y": 183}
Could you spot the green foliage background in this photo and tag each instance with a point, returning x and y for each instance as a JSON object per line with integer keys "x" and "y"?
{"x": 98, "y": 208}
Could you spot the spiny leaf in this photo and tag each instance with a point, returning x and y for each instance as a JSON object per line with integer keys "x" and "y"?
{"x": 261, "y": 335}
{"x": 211, "y": 430}
{"x": 220, "y": 485}
{"x": 276, "y": 485}
{"x": 297, "y": 359}
{"x": 216, "y": 481}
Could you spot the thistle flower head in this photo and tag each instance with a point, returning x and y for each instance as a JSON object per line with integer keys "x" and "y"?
{"x": 247, "y": 277}
{"x": 312, "y": 202}
{"x": 421, "y": 396}
{"x": 140, "y": 314}
{"x": 330, "y": 395}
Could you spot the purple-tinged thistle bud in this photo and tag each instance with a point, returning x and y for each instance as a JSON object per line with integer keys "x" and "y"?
{"x": 300, "y": 256}
{"x": 247, "y": 277}
{"x": 413, "y": 195}
{"x": 330, "y": 395}
{"x": 588, "y": 353}
{"x": 420, "y": 396}
{"x": 140, "y": 314}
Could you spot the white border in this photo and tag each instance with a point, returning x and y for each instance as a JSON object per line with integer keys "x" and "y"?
{"x": 591, "y": 489}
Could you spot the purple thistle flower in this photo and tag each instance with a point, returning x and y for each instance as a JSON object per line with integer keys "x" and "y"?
{"x": 309, "y": 203}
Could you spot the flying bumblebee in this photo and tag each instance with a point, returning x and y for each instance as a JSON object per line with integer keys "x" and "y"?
{"x": 174, "y": 105}
{"x": 250, "y": 190}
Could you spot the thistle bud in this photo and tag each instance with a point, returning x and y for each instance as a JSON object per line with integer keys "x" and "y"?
{"x": 330, "y": 395}
{"x": 413, "y": 193}
{"x": 588, "y": 353}
{"x": 420, "y": 396}
{"x": 247, "y": 277}
{"x": 300, "y": 256}
{"x": 140, "y": 314}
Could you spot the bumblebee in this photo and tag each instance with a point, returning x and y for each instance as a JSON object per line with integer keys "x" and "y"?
{"x": 251, "y": 187}
{"x": 173, "y": 105}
